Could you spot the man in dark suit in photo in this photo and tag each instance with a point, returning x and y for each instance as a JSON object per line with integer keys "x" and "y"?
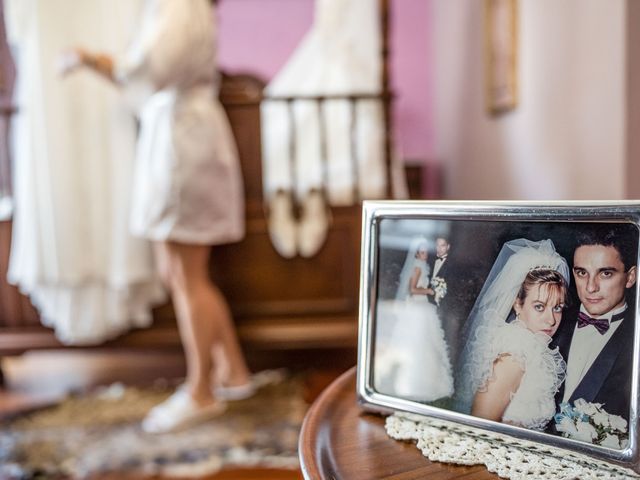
{"x": 596, "y": 340}
{"x": 439, "y": 265}
{"x": 448, "y": 306}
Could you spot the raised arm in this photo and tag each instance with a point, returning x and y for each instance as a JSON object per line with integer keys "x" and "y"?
{"x": 77, "y": 57}
{"x": 492, "y": 402}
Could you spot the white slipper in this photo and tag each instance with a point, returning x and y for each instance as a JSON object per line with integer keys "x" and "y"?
{"x": 314, "y": 224}
{"x": 282, "y": 224}
{"x": 249, "y": 389}
{"x": 179, "y": 411}
{"x": 236, "y": 392}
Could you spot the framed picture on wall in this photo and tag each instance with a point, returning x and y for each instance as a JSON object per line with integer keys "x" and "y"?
{"x": 515, "y": 318}
{"x": 501, "y": 55}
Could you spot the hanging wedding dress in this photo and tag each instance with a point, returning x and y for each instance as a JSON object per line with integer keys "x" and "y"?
{"x": 73, "y": 147}
{"x": 340, "y": 55}
{"x": 412, "y": 358}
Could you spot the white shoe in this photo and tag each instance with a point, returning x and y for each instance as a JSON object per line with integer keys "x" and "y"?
{"x": 249, "y": 389}
{"x": 314, "y": 224}
{"x": 235, "y": 392}
{"x": 282, "y": 224}
{"x": 179, "y": 411}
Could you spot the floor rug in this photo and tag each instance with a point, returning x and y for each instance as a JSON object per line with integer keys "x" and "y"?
{"x": 99, "y": 432}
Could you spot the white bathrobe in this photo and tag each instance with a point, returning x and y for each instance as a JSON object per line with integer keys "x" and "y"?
{"x": 187, "y": 184}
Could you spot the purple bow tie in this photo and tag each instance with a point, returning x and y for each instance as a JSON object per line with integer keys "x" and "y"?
{"x": 600, "y": 324}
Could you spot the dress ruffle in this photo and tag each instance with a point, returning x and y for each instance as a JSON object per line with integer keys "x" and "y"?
{"x": 533, "y": 404}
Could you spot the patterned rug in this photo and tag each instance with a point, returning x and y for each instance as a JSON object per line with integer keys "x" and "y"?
{"x": 99, "y": 432}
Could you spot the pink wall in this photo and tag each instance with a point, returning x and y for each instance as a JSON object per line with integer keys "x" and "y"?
{"x": 257, "y": 36}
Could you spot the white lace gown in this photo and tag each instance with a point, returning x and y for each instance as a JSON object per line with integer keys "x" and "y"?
{"x": 73, "y": 146}
{"x": 532, "y": 405}
{"x": 414, "y": 359}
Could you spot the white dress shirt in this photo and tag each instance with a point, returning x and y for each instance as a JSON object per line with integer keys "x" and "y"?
{"x": 438, "y": 265}
{"x": 586, "y": 345}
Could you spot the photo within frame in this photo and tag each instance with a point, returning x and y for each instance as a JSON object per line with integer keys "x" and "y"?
{"x": 526, "y": 323}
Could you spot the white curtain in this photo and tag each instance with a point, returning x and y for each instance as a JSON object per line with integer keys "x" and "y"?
{"x": 73, "y": 148}
{"x": 340, "y": 55}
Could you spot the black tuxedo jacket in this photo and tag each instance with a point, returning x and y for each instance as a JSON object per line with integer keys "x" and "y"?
{"x": 447, "y": 273}
{"x": 608, "y": 381}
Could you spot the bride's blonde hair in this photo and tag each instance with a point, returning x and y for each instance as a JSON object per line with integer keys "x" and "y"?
{"x": 552, "y": 280}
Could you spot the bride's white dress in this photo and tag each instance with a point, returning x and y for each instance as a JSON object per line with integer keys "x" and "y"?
{"x": 73, "y": 156}
{"x": 532, "y": 405}
{"x": 413, "y": 360}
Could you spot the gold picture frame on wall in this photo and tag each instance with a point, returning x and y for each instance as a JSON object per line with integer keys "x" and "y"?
{"x": 501, "y": 55}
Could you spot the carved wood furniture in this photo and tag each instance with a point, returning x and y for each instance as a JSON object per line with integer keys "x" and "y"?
{"x": 278, "y": 304}
{"x": 339, "y": 440}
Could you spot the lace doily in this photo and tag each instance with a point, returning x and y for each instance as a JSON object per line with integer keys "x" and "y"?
{"x": 448, "y": 442}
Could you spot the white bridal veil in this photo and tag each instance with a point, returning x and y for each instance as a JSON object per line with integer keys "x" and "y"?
{"x": 493, "y": 307}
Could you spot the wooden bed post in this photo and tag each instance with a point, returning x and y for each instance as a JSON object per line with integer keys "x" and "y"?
{"x": 385, "y": 14}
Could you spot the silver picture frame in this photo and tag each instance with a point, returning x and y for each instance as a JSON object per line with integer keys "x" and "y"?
{"x": 477, "y": 231}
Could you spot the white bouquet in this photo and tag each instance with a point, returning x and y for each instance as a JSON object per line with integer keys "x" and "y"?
{"x": 439, "y": 287}
{"x": 589, "y": 422}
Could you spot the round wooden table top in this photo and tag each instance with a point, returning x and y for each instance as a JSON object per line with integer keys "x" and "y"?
{"x": 340, "y": 441}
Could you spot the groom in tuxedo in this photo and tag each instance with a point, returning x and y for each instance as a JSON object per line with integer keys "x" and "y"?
{"x": 596, "y": 341}
{"x": 440, "y": 265}
{"x": 448, "y": 307}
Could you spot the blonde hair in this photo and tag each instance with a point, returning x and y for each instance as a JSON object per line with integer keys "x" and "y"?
{"x": 552, "y": 279}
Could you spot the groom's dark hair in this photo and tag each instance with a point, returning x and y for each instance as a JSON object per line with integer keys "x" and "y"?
{"x": 623, "y": 237}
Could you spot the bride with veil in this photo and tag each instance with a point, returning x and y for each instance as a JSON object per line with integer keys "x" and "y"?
{"x": 508, "y": 372}
{"x": 413, "y": 362}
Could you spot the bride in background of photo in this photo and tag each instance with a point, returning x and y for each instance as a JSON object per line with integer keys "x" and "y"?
{"x": 413, "y": 362}
{"x": 508, "y": 372}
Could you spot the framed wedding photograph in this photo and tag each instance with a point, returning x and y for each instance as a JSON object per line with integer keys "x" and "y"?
{"x": 518, "y": 319}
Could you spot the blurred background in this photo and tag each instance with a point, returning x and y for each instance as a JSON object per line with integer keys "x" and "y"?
{"x": 465, "y": 100}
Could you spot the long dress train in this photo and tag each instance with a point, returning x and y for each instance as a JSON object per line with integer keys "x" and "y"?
{"x": 413, "y": 360}
{"x": 73, "y": 149}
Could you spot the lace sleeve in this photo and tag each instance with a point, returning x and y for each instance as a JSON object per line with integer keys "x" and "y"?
{"x": 545, "y": 367}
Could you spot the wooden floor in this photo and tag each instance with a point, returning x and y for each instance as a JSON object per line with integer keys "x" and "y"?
{"x": 40, "y": 378}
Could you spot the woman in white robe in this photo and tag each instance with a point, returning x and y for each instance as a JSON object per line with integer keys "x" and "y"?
{"x": 187, "y": 188}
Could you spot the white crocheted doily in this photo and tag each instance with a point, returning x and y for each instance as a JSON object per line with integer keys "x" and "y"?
{"x": 448, "y": 442}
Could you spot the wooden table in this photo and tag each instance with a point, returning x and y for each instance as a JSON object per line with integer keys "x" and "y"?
{"x": 339, "y": 441}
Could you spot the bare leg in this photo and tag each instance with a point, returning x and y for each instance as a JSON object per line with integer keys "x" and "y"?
{"x": 225, "y": 372}
{"x": 221, "y": 365}
{"x": 203, "y": 318}
{"x": 161, "y": 257}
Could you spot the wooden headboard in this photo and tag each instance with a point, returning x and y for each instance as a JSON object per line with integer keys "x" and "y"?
{"x": 277, "y": 303}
